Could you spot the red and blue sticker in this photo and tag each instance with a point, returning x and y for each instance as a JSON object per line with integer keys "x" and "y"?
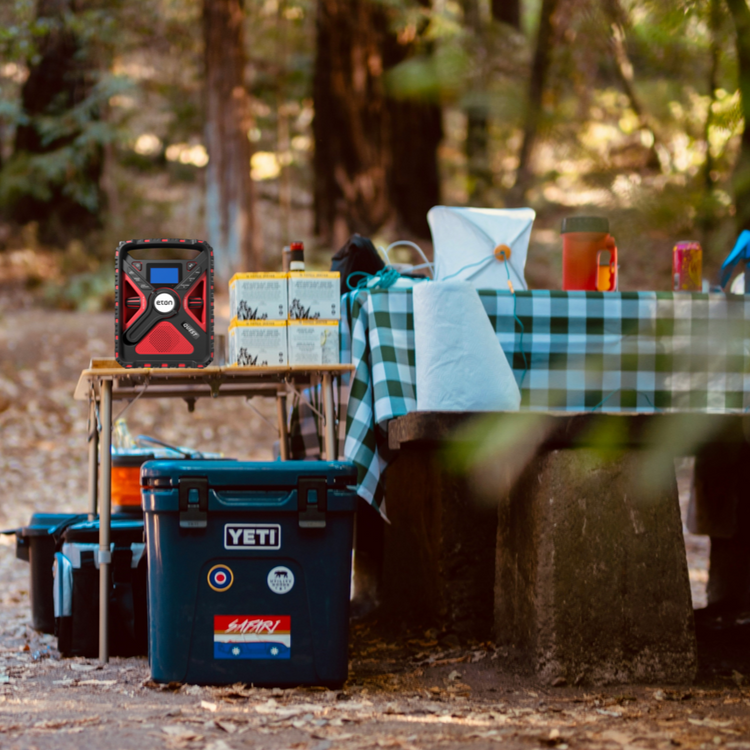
{"x": 252, "y": 636}
{"x": 220, "y": 578}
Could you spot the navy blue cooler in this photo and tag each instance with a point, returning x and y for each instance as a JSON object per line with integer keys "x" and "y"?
{"x": 249, "y": 571}
{"x": 35, "y": 544}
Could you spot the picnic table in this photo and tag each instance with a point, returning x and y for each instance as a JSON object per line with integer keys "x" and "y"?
{"x": 643, "y": 365}
{"x": 105, "y": 381}
{"x": 622, "y": 352}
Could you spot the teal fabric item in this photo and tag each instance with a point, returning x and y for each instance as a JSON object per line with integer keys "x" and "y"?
{"x": 740, "y": 251}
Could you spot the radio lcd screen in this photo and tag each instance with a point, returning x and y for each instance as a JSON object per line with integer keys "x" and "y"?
{"x": 163, "y": 275}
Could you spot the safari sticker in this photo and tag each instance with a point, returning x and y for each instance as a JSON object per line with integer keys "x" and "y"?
{"x": 252, "y": 636}
{"x": 280, "y": 580}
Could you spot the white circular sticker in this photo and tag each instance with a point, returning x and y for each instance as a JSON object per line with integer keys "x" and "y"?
{"x": 164, "y": 303}
{"x": 280, "y": 580}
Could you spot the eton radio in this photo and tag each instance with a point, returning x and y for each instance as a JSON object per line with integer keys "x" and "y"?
{"x": 164, "y": 303}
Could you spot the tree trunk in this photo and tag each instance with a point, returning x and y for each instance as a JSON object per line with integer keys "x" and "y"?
{"x": 230, "y": 220}
{"x": 537, "y": 82}
{"x": 713, "y": 83}
{"x": 507, "y": 11}
{"x": 283, "y": 144}
{"x": 479, "y": 172}
{"x": 707, "y": 214}
{"x": 60, "y": 78}
{"x": 618, "y": 18}
{"x": 414, "y": 181}
{"x": 479, "y": 169}
{"x": 375, "y": 158}
{"x": 741, "y": 16}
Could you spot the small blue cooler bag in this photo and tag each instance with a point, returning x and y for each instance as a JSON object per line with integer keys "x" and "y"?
{"x": 249, "y": 571}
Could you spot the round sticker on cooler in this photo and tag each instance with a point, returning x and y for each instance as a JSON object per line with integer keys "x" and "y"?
{"x": 220, "y": 578}
{"x": 280, "y": 580}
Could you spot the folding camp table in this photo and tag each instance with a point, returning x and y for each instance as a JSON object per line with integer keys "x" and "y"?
{"x": 105, "y": 381}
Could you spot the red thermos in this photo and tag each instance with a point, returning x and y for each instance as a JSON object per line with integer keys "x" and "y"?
{"x": 589, "y": 255}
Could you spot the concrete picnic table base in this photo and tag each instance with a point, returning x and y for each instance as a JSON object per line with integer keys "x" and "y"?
{"x": 591, "y": 578}
{"x": 575, "y": 565}
{"x": 439, "y": 548}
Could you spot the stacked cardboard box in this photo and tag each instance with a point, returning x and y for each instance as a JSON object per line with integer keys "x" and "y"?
{"x": 279, "y": 319}
{"x": 314, "y": 312}
{"x": 254, "y": 343}
{"x": 314, "y": 295}
{"x": 258, "y": 296}
{"x": 258, "y": 310}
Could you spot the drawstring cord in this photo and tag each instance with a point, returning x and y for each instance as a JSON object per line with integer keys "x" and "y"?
{"x": 518, "y": 320}
{"x": 383, "y": 279}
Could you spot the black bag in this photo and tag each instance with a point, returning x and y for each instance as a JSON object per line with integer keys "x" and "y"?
{"x": 359, "y": 256}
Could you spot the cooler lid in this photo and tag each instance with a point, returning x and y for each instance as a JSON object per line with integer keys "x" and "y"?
{"x": 121, "y": 532}
{"x": 44, "y": 524}
{"x": 250, "y": 474}
{"x": 41, "y": 524}
{"x": 130, "y": 460}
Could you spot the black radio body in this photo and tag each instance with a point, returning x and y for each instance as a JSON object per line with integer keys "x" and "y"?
{"x": 164, "y": 303}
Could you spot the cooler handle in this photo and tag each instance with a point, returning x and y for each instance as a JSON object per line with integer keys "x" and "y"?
{"x": 193, "y": 502}
{"x": 312, "y": 512}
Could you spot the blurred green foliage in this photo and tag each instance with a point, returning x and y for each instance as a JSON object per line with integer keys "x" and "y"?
{"x": 90, "y": 291}
{"x": 659, "y": 162}
{"x": 82, "y": 132}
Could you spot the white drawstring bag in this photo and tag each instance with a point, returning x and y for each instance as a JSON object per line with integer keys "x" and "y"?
{"x": 465, "y": 240}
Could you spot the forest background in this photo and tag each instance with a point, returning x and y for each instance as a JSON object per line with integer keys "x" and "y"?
{"x": 252, "y": 124}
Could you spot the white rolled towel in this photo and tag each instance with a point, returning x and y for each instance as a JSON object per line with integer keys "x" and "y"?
{"x": 460, "y": 365}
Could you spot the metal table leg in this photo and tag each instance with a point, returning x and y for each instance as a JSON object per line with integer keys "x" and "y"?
{"x": 330, "y": 422}
{"x": 104, "y": 517}
{"x": 93, "y": 458}
{"x": 283, "y": 430}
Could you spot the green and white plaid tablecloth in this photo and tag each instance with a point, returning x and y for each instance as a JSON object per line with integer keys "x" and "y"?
{"x": 578, "y": 351}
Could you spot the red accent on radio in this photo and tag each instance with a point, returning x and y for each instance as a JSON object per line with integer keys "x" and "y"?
{"x": 164, "y": 338}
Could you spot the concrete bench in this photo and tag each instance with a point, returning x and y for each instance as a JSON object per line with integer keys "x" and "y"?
{"x": 562, "y": 553}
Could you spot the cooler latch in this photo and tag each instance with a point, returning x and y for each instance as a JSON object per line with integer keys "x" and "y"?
{"x": 193, "y": 502}
{"x": 312, "y": 502}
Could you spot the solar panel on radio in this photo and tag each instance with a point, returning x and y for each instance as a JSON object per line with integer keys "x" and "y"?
{"x": 164, "y": 303}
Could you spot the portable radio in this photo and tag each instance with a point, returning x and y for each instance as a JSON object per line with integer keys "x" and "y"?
{"x": 164, "y": 303}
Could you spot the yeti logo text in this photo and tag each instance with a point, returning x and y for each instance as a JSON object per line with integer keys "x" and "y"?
{"x": 164, "y": 303}
{"x": 252, "y": 536}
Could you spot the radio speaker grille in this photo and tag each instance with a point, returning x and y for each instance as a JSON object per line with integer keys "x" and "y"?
{"x": 164, "y": 338}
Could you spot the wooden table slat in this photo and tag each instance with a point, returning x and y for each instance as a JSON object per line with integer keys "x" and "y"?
{"x": 108, "y": 369}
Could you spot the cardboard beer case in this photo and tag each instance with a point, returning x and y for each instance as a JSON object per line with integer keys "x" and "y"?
{"x": 258, "y": 296}
{"x": 258, "y": 343}
{"x": 314, "y": 295}
{"x": 313, "y": 342}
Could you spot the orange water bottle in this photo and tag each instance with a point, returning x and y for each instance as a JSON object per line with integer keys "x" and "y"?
{"x": 589, "y": 255}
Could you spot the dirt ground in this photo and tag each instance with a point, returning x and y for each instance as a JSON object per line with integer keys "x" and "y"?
{"x": 423, "y": 691}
